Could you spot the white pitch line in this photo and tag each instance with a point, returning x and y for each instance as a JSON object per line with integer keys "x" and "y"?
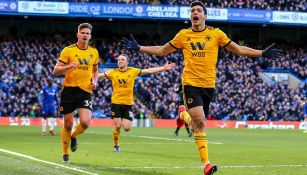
{"x": 196, "y": 167}
{"x": 156, "y": 138}
{"x": 43, "y": 161}
{"x": 99, "y": 143}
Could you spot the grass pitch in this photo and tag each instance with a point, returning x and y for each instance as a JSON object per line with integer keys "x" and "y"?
{"x": 154, "y": 151}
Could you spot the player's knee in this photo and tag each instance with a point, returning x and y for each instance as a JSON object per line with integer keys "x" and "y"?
{"x": 68, "y": 126}
{"x": 85, "y": 124}
{"x": 117, "y": 128}
{"x": 199, "y": 124}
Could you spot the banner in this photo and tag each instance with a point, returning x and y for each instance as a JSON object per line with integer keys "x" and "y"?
{"x": 85, "y": 9}
{"x": 212, "y": 13}
{"x": 163, "y": 12}
{"x": 8, "y": 6}
{"x": 162, "y": 123}
{"x": 289, "y": 17}
{"x": 160, "y": 11}
{"x": 43, "y": 7}
{"x": 242, "y": 15}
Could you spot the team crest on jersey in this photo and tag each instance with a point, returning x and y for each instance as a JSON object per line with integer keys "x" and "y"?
{"x": 83, "y": 61}
{"x": 112, "y": 113}
{"x": 208, "y": 38}
{"x": 76, "y": 55}
{"x": 61, "y": 108}
{"x": 190, "y": 100}
{"x": 91, "y": 56}
{"x": 189, "y": 39}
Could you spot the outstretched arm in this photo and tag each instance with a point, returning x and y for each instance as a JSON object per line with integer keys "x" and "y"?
{"x": 132, "y": 44}
{"x": 269, "y": 52}
{"x": 158, "y": 69}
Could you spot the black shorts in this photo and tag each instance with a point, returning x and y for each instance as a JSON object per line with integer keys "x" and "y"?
{"x": 198, "y": 96}
{"x": 73, "y": 98}
{"x": 121, "y": 111}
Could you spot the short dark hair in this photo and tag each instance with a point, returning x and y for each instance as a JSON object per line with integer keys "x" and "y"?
{"x": 200, "y": 4}
{"x": 125, "y": 55}
{"x": 85, "y": 25}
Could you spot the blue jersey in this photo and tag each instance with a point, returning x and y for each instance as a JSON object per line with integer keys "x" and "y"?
{"x": 48, "y": 95}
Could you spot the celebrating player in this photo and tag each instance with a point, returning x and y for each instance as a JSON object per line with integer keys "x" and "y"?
{"x": 122, "y": 97}
{"x": 79, "y": 63}
{"x": 200, "y": 45}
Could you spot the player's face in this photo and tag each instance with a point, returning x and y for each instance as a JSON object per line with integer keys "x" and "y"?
{"x": 197, "y": 16}
{"x": 49, "y": 82}
{"x": 122, "y": 61}
{"x": 84, "y": 35}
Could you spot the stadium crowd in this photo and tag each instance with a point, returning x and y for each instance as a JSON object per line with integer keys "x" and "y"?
{"x": 280, "y": 5}
{"x": 240, "y": 93}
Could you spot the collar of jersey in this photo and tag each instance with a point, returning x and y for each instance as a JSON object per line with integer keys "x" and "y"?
{"x": 123, "y": 71}
{"x": 80, "y": 48}
{"x": 200, "y": 30}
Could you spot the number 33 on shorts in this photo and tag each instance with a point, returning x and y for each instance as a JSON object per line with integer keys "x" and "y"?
{"x": 88, "y": 103}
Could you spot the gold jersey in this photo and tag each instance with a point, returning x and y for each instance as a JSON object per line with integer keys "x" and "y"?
{"x": 81, "y": 75}
{"x": 123, "y": 85}
{"x": 200, "y": 51}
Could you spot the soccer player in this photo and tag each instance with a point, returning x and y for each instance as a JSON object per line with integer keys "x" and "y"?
{"x": 179, "y": 123}
{"x": 122, "y": 98}
{"x": 79, "y": 63}
{"x": 199, "y": 45}
{"x": 49, "y": 102}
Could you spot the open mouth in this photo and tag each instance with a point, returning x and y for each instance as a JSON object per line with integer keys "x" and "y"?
{"x": 195, "y": 19}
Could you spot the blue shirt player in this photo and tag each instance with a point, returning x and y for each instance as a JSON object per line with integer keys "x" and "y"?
{"x": 49, "y": 101}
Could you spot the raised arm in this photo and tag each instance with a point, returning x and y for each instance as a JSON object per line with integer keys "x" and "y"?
{"x": 132, "y": 44}
{"x": 157, "y": 69}
{"x": 269, "y": 52}
{"x": 61, "y": 68}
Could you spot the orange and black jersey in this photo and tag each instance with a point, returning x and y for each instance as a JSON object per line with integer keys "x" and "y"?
{"x": 200, "y": 51}
{"x": 81, "y": 75}
{"x": 123, "y": 85}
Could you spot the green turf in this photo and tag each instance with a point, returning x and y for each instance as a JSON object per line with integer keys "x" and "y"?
{"x": 266, "y": 150}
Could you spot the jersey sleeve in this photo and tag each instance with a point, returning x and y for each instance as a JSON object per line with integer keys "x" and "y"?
{"x": 64, "y": 56}
{"x": 136, "y": 72}
{"x": 109, "y": 74}
{"x": 223, "y": 39}
{"x": 176, "y": 42}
